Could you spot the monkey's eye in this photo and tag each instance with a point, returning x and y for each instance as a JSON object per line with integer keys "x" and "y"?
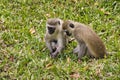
{"x": 71, "y": 25}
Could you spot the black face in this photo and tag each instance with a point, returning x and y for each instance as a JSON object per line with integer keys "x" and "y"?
{"x": 68, "y": 33}
{"x": 51, "y": 30}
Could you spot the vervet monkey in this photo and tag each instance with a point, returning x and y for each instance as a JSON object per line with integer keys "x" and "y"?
{"x": 55, "y": 37}
{"x": 89, "y": 42}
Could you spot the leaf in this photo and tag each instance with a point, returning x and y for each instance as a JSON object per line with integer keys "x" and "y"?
{"x": 98, "y": 71}
{"x": 68, "y": 60}
{"x": 86, "y": 68}
{"x": 96, "y": 4}
{"x": 12, "y": 58}
{"x": 49, "y": 65}
{"x": 74, "y": 75}
{"x": 75, "y": 1}
{"x": 1, "y": 21}
{"x": 32, "y": 30}
{"x": 105, "y": 12}
{"x": 102, "y": 9}
{"x": 48, "y": 15}
{"x": 0, "y": 61}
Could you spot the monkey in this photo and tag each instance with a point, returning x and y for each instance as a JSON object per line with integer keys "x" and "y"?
{"x": 55, "y": 37}
{"x": 89, "y": 43}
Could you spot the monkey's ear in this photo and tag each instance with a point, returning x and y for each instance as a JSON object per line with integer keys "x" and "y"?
{"x": 71, "y": 25}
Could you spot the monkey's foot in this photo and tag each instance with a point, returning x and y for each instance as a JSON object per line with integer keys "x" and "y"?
{"x": 53, "y": 55}
{"x": 79, "y": 61}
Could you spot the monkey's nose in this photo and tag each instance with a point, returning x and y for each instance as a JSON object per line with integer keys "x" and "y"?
{"x": 51, "y": 31}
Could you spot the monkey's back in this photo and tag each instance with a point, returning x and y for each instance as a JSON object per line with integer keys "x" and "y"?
{"x": 91, "y": 39}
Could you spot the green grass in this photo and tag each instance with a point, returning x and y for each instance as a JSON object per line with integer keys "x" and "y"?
{"x": 21, "y": 52}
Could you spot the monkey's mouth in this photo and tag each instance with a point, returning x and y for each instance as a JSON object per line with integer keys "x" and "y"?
{"x": 51, "y": 30}
{"x": 68, "y": 33}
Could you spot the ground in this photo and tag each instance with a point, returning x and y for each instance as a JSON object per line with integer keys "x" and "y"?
{"x": 23, "y": 55}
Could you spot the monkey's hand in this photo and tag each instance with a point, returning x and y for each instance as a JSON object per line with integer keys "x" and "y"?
{"x": 54, "y": 54}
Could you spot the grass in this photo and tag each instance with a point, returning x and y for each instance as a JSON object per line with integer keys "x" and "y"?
{"x": 22, "y": 29}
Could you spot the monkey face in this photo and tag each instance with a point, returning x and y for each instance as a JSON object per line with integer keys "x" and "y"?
{"x": 68, "y": 27}
{"x": 51, "y": 30}
{"x": 53, "y": 25}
